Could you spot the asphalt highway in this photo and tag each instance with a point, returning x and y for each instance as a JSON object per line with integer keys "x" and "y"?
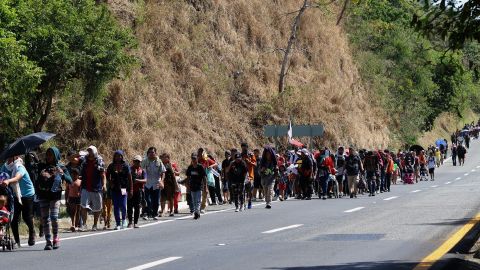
{"x": 393, "y": 230}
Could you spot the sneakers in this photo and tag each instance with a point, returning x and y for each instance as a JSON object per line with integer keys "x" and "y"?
{"x": 236, "y": 210}
{"x": 48, "y": 246}
{"x": 94, "y": 228}
{"x": 117, "y": 228}
{"x": 56, "y": 243}
{"x": 202, "y": 211}
{"x": 176, "y": 211}
{"x": 155, "y": 218}
{"x": 241, "y": 207}
{"x": 135, "y": 226}
{"x": 268, "y": 206}
{"x": 145, "y": 218}
{"x": 129, "y": 225}
{"x": 249, "y": 205}
{"x": 196, "y": 215}
{"x": 171, "y": 215}
{"x": 122, "y": 225}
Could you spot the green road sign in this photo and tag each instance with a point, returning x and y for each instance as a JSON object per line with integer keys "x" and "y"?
{"x": 297, "y": 130}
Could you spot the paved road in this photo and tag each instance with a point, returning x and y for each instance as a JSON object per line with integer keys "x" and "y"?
{"x": 390, "y": 231}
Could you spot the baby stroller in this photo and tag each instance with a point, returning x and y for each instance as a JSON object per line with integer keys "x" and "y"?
{"x": 423, "y": 173}
{"x": 408, "y": 176}
{"x": 6, "y": 240}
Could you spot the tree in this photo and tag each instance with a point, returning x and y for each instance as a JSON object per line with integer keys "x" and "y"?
{"x": 294, "y": 31}
{"x": 69, "y": 40}
{"x": 454, "y": 21}
{"x": 19, "y": 78}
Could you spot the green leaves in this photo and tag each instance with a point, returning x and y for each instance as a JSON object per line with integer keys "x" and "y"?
{"x": 51, "y": 46}
{"x": 415, "y": 78}
{"x": 453, "y": 21}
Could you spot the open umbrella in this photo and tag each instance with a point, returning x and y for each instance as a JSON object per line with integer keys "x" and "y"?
{"x": 296, "y": 143}
{"x": 416, "y": 148}
{"x": 25, "y": 144}
{"x": 440, "y": 142}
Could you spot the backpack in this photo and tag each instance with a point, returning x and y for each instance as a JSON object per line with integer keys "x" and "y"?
{"x": 352, "y": 165}
{"x": 339, "y": 161}
{"x": 370, "y": 164}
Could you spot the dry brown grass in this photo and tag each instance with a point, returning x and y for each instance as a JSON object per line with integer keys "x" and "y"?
{"x": 208, "y": 77}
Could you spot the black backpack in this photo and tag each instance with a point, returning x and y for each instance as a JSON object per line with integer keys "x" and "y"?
{"x": 370, "y": 164}
{"x": 352, "y": 165}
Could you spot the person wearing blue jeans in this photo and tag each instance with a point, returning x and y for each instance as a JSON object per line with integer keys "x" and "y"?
{"x": 121, "y": 185}
{"x": 155, "y": 171}
{"x": 196, "y": 177}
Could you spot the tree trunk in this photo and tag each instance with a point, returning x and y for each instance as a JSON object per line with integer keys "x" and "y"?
{"x": 293, "y": 37}
{"x": 44, "y": 114}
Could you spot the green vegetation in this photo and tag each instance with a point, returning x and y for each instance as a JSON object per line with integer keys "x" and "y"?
{"x": 413, "y": 77}
{"x": 44, "y": 50}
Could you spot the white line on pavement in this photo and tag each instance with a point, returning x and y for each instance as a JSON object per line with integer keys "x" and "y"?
{"x": 458, "y": 178}
{"x": 353, "y": 210}
{"x": 155, "y": 223}
{"x": 466, "y": 174}
{"x": 473, "y": 170}
{"x": 390, "y": 198}
{"x": 435, "y": 186}
{"x": 415, "y": 191}
{"x": 447, "y": 183}
{"x": 284, "y": 228}
{"x": 478, "y": 167}
{"x": 155, "y": 263}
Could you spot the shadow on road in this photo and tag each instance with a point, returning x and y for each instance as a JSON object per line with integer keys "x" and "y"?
{"x": 387, "y": 265}
{"x": 449, "y": 222}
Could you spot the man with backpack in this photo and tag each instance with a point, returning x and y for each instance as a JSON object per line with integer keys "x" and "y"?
{"x": 353, "y": 167}
{"x": 372, "y": 167}
{"x": 324, "y": 167}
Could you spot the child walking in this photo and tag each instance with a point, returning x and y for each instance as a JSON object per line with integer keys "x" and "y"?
{"x": 73, "y": 193}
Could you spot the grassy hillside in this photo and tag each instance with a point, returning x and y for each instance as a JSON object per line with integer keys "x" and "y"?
{"x": 208, "y": 77}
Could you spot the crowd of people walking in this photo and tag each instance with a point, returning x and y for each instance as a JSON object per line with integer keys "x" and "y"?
{"x": 149, "y": 186}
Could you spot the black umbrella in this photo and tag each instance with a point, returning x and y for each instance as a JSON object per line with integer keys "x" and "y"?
{"x": 25, "y": 144}
{"x": 416, "y": 148}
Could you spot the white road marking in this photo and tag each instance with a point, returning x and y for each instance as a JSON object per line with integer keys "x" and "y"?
{"x": 435, "y": 186}
{"x": 478, "y": 167}
{"x": 284, "y": 228}
{"x": 221, "y": 244}
{"x": 390, "y": 198}
{"x": 458, "y": 178}
{"x": 415, "y": 191}
{"x": 354, "y": 210}
{"x": 473, "y": 170}
{"x": 155, "y": 263}
{"x": 155, "y": 223}
{"x": 466, "y": 174}
{"x": 447, "y": 183}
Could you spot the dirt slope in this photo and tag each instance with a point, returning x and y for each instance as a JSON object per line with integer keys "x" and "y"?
{"x": 209, "y": 72}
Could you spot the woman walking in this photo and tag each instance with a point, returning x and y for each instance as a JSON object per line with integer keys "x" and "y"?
{"x": 120, "y": 179}
{"x": 268, "y": 170}
{"x": 25, "y": 193}
{"x": 52, "y": 174}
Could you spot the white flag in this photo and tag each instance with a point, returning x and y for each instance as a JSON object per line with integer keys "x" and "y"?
{"x": 290, "y": 132}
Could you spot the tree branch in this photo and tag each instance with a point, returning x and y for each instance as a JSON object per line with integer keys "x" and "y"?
{"x": 291, "y": 40}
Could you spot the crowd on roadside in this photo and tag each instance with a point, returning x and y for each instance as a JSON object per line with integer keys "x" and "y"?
{"x": 149, "y": 186}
